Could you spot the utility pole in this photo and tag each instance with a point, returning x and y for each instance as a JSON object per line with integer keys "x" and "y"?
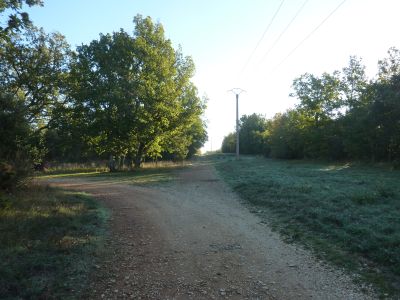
{"x": 237, "y": 92}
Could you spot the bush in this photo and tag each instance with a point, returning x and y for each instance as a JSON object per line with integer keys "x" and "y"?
{"x": 7, "y": 176}
{"x": 14, "y": 174}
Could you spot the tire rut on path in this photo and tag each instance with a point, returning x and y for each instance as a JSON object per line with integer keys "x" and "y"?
{"x": 192, "y": 238}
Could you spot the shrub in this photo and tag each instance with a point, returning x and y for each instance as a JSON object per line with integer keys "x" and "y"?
{"x": 14, "y": 174}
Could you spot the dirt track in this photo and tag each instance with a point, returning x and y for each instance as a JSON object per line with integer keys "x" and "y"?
{"x": 191, "y": 238}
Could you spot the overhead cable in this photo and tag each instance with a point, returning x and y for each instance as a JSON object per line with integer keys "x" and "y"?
{"x": 262, "y": 37}
{"x": 284, "y": 30}
{"x": 310, "y": 34}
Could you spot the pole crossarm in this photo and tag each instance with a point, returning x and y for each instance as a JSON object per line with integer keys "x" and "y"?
{"x": 237, "y": 91}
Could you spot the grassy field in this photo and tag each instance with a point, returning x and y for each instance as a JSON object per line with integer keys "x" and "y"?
{"x": 49, "y": 239}
{"x": 143, "y": 176}
{"x": 101, "y": 167}
{"x": 349, "y": 215}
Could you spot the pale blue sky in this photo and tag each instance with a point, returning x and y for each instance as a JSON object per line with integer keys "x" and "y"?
{"x": 221, "y": 35}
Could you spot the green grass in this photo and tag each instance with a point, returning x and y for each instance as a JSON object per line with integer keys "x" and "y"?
{"x": 49, "y": 239}
{"x": 146, "y": 176}
{"x": 350, "y": 215}
{"x": 63, "y": 169}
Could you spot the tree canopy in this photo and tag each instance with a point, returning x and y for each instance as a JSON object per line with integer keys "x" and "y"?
{"x": 135, "y": 94}
{"x": 122, "y": 96}
{"x": 17, "y": 19}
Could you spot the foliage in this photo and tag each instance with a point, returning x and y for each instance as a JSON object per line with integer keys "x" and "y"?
{"x": 143, "y": 102}
{"x": 14, "y": 127}
{"x": 348, "y": 214}
{"x": 48, "y": 241}
{"x": 32, "y": 69}
{"x": 17, "y": 19}
{"x": 251, "y": 132}
{"x": 389, "y": 66}
{"x": 353, "y": 83}
{"x": 229, "y": 143}
{"x": 286, "y": 138}
{"x": 121, "y": 96}
{"x": 339, "y": 116}
{"x": 252, "y": 135}
{"x": 319, "y": 96}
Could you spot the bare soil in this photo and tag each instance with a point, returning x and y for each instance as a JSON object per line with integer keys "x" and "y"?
{"x": 193, "y": 239}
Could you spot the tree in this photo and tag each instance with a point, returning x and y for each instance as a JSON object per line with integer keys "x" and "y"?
{"x": 16, "y": 19}
{"x": 371, "y": 126}
{"x": 32, "y": 69}
{"x": 320, "y": 105}
{"x": 384, "y": 120}
{"x": 354, "y": 82}
{"x": 287, "y": 135}
{"x": 32, "y": 72}
{"x": 198, "y": 134}
{"x": 135, "y": 93}
{"x": 229, "y": 143}
{"x": 251, "y": 135}
{"x": 319, "y": 96}
{"x": 390, "y": 65}
{"x": 190, "y": 135}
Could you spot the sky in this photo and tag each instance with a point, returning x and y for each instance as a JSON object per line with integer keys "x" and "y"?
{"x": 260, "y": 46}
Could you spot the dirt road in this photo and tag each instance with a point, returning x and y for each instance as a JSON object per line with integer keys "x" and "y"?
{"x": 192, "y": 238}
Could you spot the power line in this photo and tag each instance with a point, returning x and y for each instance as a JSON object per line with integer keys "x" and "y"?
{"x": 310, "y": 34}
{"x": 262, "y": 37}
{"x": 284, "y": 30}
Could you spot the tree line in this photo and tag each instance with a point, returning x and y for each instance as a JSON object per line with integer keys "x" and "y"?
{"x": 123, "y": 97}
{"x": 339, "y": 115}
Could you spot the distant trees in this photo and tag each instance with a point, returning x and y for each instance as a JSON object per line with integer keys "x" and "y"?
{"x": 229, "y": 143}
{"x": 342, "y": 115}
{"x": 252, "y": 135}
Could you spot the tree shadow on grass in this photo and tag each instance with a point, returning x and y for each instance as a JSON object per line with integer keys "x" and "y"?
{"x": 47, "y": 243}
{"x": 150, "y": 176}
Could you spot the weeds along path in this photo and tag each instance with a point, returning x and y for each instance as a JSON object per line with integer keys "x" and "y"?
{"x": 191, "y": 238}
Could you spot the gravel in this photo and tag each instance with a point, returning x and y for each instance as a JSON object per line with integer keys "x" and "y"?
{"x": 193, "y": 239}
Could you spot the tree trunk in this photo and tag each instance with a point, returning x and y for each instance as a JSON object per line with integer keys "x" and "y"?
{"x": 121, "y": 162}
{"x": 137, "y": 161}
{"x": 111, "y": 164}
{"x": 124, "y": 161}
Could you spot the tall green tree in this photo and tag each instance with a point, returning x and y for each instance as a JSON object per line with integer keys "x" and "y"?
{"x": 135, "y": 92}
{"x": 384, "y": 120}
{"x": 33, "y": 67}
{"x": 319, "y": 96}
{"x": 320, "y": 104}
{"x": 353, "y": 83}
{"x": 32, "y": 72}
{"x": 251, "y": 136}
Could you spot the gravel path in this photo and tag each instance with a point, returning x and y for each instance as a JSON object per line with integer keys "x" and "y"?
{"x": 192, "y": 238}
